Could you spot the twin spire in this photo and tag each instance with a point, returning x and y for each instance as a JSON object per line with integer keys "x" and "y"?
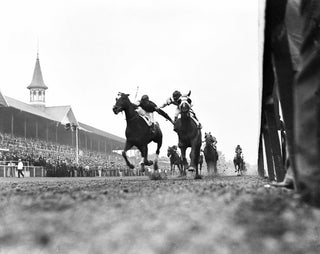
{"x": 37, "y": 87}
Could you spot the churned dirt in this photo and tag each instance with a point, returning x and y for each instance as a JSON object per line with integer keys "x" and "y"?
{"x": 225, "y": 214}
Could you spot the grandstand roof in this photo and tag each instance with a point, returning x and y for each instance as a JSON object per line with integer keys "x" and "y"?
{"x": 100, "y": 132}
{"x": 27, "y": 108}
{"x": 61, "y": 114}
{"x": 37, "y": 80}
{"x": 3, "y": 101}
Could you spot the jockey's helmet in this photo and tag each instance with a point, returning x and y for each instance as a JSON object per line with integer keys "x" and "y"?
{"x": 145, "y": 97}
{"x": 176, "y": 95}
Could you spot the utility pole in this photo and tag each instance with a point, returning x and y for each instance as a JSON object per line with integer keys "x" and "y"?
{"x": 75, "y": 128}
{"x": 77, "y": 145}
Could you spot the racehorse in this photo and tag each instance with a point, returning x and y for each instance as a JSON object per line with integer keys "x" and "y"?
{"x": 238, "y": 163}
{"x": 211, "y": 155}
{"x": 175, "y": 159}
{"x": 138, "y": 133}
{"x": 189, "y": 135}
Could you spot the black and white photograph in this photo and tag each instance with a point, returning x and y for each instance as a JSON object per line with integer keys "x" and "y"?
{"x": 160, "y": 126}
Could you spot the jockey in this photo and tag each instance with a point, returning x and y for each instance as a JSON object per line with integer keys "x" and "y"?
{"x": 175, "y": 148}
{"x": 174, "y": 100}
{"x": 211, "y": 139}
{"x": 238, "y": 151}
{"x": 149, "y": 107}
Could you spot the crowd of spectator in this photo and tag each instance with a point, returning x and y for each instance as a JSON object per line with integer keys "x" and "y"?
{"x": 57, "y": 159}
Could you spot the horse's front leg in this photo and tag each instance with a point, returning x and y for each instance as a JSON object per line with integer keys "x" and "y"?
{"x": 235, "y": 165}
{"x": 144, "y": 157}
{"x": 124, "y": 154}
{"x": 159, "y": 144}
{"x": 184, "y": 160}
{"x": 195, "y": 156}
{"x": 215, "y": 169}
{"x": 194, "y": 160}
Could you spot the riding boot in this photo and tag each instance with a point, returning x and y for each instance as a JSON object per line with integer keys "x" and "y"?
{"x": 199, "y": 124}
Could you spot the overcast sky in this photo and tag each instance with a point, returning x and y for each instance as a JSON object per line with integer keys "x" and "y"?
{"x": 90, "y": 50}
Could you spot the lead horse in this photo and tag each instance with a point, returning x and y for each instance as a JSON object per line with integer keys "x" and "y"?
{"x": 210, "y": 155}
{"x": 189, "y": 136}
{"x": 138, "y": 133}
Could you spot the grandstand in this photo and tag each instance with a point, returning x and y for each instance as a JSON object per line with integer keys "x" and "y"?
{"x": 32, "y": 130}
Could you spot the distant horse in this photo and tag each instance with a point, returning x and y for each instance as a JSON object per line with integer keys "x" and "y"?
{"x": 238, "y": 164}
{"x": 175, "y": 159}
{"x": 211, "y": 155}
{"x": 138, "y": 133}
{"x": 189, "y": 135}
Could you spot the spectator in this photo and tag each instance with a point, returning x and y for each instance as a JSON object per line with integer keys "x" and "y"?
{"x": 20, "y": 168}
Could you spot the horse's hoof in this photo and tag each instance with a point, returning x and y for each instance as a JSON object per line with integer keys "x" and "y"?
{"x": 149, "y": 163}
{"x": 191, "y": 168}
{"x": 286, "y": 183}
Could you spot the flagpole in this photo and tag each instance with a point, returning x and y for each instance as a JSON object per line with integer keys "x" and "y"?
{"x": 77, "y": 145}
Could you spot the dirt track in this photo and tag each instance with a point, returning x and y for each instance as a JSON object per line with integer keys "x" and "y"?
{"x": 136, "y": 215}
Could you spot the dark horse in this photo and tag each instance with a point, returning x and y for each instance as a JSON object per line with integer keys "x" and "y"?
{"x": 175, "y": 159}
{"x": 138, "y": 133}
{"x": 189, "y": 135}
{"x": 211, "y": 155}
{"x": 238, "y": 164}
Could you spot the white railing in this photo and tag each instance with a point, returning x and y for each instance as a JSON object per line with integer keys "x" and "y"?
{"x": 28, "y": 171}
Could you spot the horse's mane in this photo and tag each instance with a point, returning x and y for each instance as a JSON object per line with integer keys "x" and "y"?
{"x": 126, "y": 95}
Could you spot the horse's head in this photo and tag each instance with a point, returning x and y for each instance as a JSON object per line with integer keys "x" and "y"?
{"x": 122, "y": 102}
{"x": 171, "y": 150}
{"x": 184, "y": 104}
{"x": 207, "y": 138}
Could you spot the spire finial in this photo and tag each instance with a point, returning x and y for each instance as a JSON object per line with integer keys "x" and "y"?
{"x": 37, "y": 47}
